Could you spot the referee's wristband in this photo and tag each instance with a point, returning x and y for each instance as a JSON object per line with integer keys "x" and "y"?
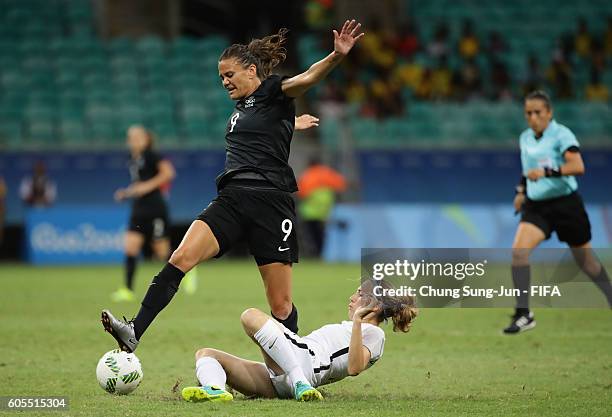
{"x": 552, "y": 172}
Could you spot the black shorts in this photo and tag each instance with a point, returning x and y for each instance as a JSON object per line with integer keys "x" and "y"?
{"x": 565, "y": 215}
{"x": 264, "y": 218}
{"x": 153, "y": 224}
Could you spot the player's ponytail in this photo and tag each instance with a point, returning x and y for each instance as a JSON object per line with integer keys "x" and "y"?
{"x": 403, "y": 316}
{"x": 265, "y": 53}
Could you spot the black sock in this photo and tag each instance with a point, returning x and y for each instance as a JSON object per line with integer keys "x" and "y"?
{"x": 521, "y": 277}
{"x": 160, "y": 292}
{"x": 130, "y": 268}
{"x": 603, "y": 282}
{"x": 291, "y": 322}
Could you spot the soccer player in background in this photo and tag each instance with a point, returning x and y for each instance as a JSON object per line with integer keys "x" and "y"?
{"x": 254, "y": 201}
{"x": 549, "y": 202}
{"x": 149, "y": 213}
{"x": 294, "y": 366}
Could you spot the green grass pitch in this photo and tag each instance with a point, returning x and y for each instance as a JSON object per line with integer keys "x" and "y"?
{"x": 454, "y": 361}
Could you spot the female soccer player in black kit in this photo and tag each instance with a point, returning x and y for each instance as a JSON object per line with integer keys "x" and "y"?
{"x": 254, "y": 200}
{"x": 149, "y": 215}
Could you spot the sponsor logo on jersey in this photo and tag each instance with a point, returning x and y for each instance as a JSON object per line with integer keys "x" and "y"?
{"x": 249, "y": 102}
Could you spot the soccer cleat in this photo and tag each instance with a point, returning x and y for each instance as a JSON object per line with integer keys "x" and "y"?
{"x": 190, "y": 282}
{"x": 520, "y": 323}
{"x": 122, "y": 294}
{"x": 305, "y": 392}
{"x": 210, "y": 393}
{"x": 122, "y": 331}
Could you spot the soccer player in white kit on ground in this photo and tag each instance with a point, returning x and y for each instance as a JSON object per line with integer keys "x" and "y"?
{"x": 294, "y": 366}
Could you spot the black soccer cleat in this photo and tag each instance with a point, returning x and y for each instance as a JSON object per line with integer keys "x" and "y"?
{"x": 520, "y": 323}
{"x": 122, "y": 331}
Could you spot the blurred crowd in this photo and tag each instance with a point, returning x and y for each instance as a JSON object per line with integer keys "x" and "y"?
{"x": 390, "y": 68}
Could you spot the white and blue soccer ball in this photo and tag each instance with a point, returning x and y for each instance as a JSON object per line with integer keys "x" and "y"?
{"x": 119, "y": 372}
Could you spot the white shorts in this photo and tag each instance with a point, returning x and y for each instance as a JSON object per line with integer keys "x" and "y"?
{"x": 307, "y": 359}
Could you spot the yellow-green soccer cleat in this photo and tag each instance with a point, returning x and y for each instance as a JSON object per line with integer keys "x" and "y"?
{"x": 122, "y": 294}
{"x": 305, "y": 392}
{"x": 210, "y": 393}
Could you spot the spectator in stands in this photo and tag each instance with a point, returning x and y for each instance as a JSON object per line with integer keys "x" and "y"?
{"x": 501, "y": 82}
{"x": 38, "y": 190}
{"x": 560, "y": 77}
{"x": 596, "y": 90}
{"x": 407, "y": 42}
{"x": 608, "y": 38}
{"x": 582, "y": 39}
{"x": 409, "y": 73}
{"x": 441, "y": 80}
{"x": 318, "y": 14}
{"x": 470, "y": 81}
{"x": 532, "y": 79}
{"x": 469, "y": 45}
{"x": 386, "y": 96}
{"x": 378, "y": 46}
{"x": 355, "y": 91}
{"x": 598, "y": 56}
{"x": 3, "y": 192}
{"x": 496, "y": 45}
{"x": 424, "y": 89}
{"x": 318, "y": 186}
{"x": 438, "y": 47}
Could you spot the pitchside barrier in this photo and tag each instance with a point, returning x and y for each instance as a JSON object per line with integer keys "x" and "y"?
{"x": 353, "y": 227}
{"x": 75, "y": 234}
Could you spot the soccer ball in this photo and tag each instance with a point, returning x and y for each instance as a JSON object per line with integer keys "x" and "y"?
{"x": 119, "y": 372}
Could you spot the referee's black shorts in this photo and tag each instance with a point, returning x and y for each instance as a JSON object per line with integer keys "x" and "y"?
{"x": 564, "y": 215}
{"x": 263, "y": 217}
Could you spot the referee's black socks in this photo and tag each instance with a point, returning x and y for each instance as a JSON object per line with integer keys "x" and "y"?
{"x": 160, "y": 292}
{"x": 291, "y": 322}
{"x": 603, "y": 282}
{"x": 521, "y": 277}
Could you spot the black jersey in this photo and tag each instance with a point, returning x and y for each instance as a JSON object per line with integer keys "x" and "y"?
{"x": 144, "y": 168}
{"x": 258, "y": 136}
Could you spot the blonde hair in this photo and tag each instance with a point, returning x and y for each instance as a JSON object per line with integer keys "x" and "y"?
{"x": 265, "y": 53}
{"x": 402, "y": 310}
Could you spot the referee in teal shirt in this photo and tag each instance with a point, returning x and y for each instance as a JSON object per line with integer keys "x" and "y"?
{"x": 549, "y": 202}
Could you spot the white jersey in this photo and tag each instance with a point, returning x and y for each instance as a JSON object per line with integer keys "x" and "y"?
{"x": 331, "y": 343}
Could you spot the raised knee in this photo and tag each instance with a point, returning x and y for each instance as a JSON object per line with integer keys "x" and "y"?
{"x": 204, "y": 352}
{"x": 184, "y": 259}
{"x": 249, "y": 315}
{"x": 520, "y": 257}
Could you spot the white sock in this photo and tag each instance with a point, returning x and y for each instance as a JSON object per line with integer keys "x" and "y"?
{"x": 210, "y": 372}
{"x": 272, "y": 340}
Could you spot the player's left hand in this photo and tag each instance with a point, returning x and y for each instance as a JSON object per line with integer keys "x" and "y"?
{"x": 344, "y": 41}
{"x": 535, "y": 174}
{"x": 306, "y": 121}
{"x": 366, "y": 313}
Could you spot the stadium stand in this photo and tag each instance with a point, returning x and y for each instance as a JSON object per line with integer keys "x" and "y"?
{"x": 60, "y": 84}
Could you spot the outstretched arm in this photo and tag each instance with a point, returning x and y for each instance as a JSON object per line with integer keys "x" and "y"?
{"x": 165, "y": 174}
{"x": 343, "y": 43}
